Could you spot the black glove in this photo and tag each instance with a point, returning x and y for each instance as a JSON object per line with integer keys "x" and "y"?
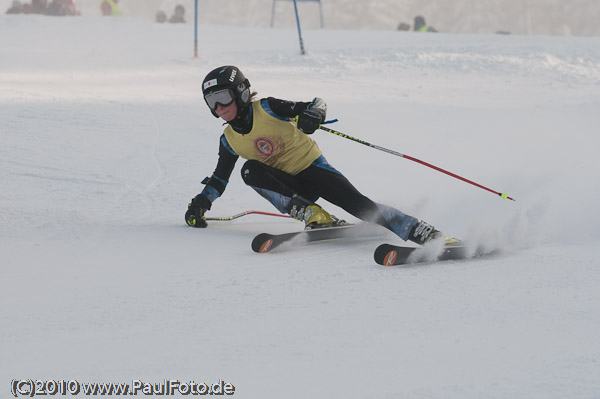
{"x": 194, "y": 216}
{"x": 309, "y": 121}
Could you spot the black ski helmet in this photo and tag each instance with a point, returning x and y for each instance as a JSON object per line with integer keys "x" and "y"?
{"x": 228, "y": 77}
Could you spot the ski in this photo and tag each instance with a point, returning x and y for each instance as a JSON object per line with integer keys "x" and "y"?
{"x": 266, "y": 242}
{"x": 391, "y": 255}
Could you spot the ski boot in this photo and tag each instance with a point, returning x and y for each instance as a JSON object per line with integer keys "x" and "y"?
{"x": 316, "y": 217}
{"x": 312, "y": 214}
{"x": 423, "y": 232}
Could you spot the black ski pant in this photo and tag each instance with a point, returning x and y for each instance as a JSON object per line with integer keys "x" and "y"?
{"x": 311, "y": 184}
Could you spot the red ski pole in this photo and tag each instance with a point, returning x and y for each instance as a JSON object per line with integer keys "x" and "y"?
{"x": 503, "y": 195}
{"x": 239, "y": 215}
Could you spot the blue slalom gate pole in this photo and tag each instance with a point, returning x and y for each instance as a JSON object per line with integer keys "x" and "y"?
{"x": 299, "y": 31}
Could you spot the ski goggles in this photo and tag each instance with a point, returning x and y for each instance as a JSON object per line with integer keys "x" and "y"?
{"x": 223, "y": 97}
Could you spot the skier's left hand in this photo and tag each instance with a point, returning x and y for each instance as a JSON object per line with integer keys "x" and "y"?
{"x": 309, "y": 121}
{"x": 194, "y": 216}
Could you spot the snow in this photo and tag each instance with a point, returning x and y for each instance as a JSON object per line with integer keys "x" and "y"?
{"x": 105, "y": 138}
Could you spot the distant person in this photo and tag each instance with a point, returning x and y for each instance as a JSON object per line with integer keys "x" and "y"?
{"x": 421, "y": 26}
{"x": 403, "y": 26}
{"x": 110, "y": 8}
{"x": 179, "y": 15}
{"x": 161, "y": 17}
{"x": 15, "y": 8}
{"x": 61, "y": 8}
{"x": 38, "y": 6}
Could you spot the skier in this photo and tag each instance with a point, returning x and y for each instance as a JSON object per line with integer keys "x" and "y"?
{"x": 284, "y": 164}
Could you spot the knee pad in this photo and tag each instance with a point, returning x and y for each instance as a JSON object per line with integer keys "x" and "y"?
{"x": 249, "y": 171}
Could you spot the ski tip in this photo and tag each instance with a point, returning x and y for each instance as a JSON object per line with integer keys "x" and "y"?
{"x": 262, "y": 243}
{"x": 392, "y": 255}
{"x": 266, "y": 246}
{"x": 390, "y": 258}
{"x": 386, "y": 255}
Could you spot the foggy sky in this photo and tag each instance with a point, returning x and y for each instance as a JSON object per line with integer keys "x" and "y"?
{"x": 540, "y": 17}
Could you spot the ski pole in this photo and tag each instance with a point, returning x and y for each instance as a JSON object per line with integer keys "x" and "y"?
{"x": 239, "y": 215}
{"x": 503, "y": 195}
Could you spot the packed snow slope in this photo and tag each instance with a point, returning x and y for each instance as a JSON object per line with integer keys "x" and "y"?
{"x": 105, "y": 138}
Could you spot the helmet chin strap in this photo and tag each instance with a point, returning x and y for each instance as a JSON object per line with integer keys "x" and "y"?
{"x": 242, "y": 123}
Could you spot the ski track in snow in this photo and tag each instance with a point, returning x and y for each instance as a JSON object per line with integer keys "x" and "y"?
{"x": 104, "y": 142}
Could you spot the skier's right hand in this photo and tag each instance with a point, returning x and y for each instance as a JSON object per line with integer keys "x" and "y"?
{"x": 309, "y": 120}
{"x": 194, "y": 216}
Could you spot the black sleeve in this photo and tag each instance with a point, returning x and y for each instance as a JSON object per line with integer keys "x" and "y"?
{"x": 290, "y": 109}
{"x": 287, "y": 109}
{"x": 216, "y": 184}
{"x": 227, "y": 160}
